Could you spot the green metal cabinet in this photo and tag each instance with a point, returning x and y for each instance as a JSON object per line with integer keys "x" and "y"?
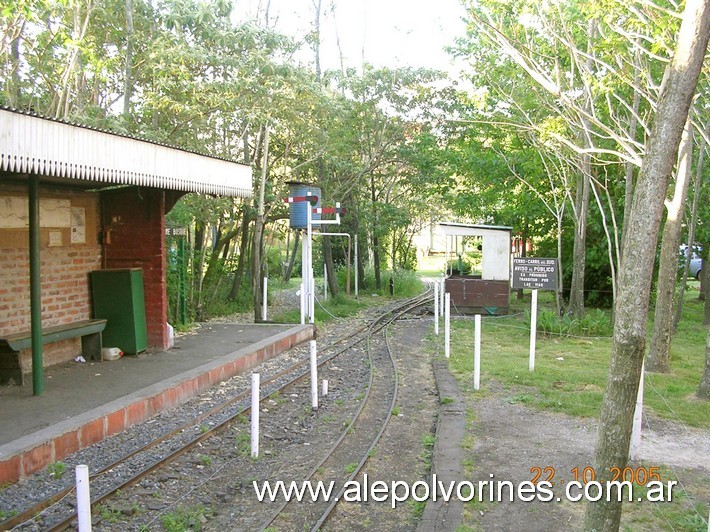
{"x": 118, "y": 297}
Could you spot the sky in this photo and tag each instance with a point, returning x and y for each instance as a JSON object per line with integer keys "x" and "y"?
{"x": 393, "y": 33}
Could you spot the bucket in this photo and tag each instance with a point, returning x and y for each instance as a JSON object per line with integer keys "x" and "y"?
{"x": 111, "y": 353}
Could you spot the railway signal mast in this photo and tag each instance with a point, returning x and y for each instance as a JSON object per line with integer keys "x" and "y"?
{"x": 307, "y": 250}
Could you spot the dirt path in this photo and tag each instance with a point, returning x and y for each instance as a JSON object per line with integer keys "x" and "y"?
{"x": 511, "y": 440}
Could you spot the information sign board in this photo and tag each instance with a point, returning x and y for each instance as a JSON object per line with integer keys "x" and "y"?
{"x": 535, "y": 273}
{"x": 176, "y": 231}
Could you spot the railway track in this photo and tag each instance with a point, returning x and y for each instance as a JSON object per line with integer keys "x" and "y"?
{"x": 56, "y": 511}
{"x": 358, "y": 438}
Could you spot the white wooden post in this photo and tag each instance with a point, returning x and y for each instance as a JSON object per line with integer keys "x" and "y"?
{"x": 303, "y": 303}
{"x": 83, "y": 498}
{"x": 255, "y": 383}
{"x": 311, "y": 280}
{"x": 447, "y": 325}
{"x": 436, "y": 309}
{"x": 638, "y": 416}
{"x": 325, "y": 282}
{"x": 477, "y": 353}
{"x": 442, "y": 290}
{"x": 314, "y": 375}
{"x": 266, "y": 293}
{"x": 533, "y": 329}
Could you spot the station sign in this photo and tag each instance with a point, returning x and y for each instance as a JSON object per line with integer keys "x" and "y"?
{"x": 176, "y": 231}
{"x": 535, "y": 273}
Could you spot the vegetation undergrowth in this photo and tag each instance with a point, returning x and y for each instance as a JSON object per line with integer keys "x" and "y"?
{"x": 572, "y": 361}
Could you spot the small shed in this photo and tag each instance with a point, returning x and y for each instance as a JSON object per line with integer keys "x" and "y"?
{"x": 487, "y": 292}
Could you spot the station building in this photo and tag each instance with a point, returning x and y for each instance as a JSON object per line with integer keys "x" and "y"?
{"x": 75, "y": 200}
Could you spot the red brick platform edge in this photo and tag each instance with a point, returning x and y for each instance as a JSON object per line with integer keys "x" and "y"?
{"x": 36, "y": 451}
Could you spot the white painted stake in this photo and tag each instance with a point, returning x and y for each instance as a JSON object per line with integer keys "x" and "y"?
{"x": 436, "y": 309}
{"x": 325, "y": 283}
{"x": 83, "y": 498}
{"x": 314, "y": 375}
{"x": 442, "y": 289}
{"x": 477, "y": 352}
{"x": 447, "y": 325}
{"x": 266, "y": 292}
{"x": 324, "y": 388}
{"x": 311, "y": 281}
{"x": 255, "y": 381}
{"x": 303, "y": 304}
{"x": 638, "y": 415}
{"x": 533, "y": 329}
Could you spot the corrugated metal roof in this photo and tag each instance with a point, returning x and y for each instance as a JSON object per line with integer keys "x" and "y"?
{"x": 35, "y": 144}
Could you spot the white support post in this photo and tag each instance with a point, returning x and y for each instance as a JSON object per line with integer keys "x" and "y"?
{"x": 311, "y": 280}
{"x": 436, "y": 309}
{"x": 303, "y": 303}
{"x": 304, "y": 274}
{"x": 533, "y": 329}
{"x": 442, "y": 290}
{"x": 477, "y": 353}
{"x": 314, "y": 375}
{"x": 638, "y": 416}
{"x": 324, "y": 388}
{"x": 255, "y": 383}
{"x": 325, "y": 282}
{"x": 266, "y": 293}
{"x": 447, "y": 325}
{"x": 83, "y": 498}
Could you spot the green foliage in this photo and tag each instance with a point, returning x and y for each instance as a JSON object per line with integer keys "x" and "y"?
{"x": 406, "y": 283}
{"x": 595, "y": 322}
{"x": 56, "y": 469}
{"x": 185, "y": 519}
{"x": 459, "y": 266}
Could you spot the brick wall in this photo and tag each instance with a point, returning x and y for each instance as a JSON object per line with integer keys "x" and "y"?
{"x": 134, "y": 225}
{"x": 64, "y": 272}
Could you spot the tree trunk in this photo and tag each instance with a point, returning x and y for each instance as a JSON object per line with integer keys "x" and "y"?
{"x": 375, "y": 236}
{"x": 631, "y": 306}
{"x": 292, "y": 260}
{"x": 698, "y": 185}
{"x": 243, "y": 247}
{"x": 576, "y": 298}
{"x": 704, "y": 388}
{"x": 523, "y": 252}
{"x": 13, "y": 83}
{"x": 257, "y": 254}
{"x": 579, "y": 256}
{"x": 330, "y": 268}
{"x": 659, "y": 351}
{"x": 128, "y": 71}
{"x": 630, "y": 168}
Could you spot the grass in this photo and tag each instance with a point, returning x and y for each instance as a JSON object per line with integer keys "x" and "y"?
{"x": 571, "y": 366}
{"x": 185, "y": 519}
{"x": 56, "y": 469}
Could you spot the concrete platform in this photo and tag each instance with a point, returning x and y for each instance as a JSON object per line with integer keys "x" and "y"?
{"x": 84, "y": 403}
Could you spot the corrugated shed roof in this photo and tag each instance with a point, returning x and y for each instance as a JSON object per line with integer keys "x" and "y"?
{"x": 31, "y": 143}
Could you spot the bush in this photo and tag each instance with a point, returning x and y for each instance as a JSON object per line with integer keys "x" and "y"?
{"x": 453, "y": 266}
{"x": 594, "y": 323}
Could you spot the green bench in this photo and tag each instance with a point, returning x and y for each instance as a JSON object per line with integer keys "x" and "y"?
{"x": 12, "y": 344}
